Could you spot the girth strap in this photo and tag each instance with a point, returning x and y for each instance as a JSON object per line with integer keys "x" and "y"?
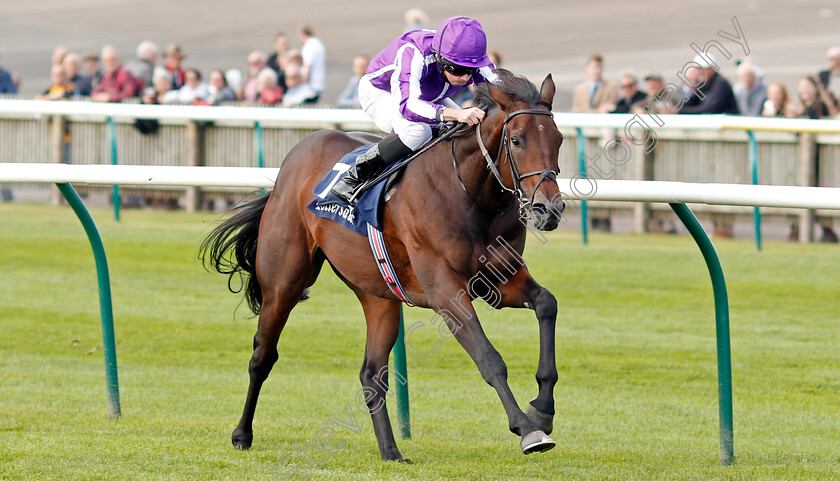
{"x": 383, "y": 262}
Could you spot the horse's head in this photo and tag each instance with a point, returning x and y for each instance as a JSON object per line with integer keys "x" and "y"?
{"x": 528, "y": 144}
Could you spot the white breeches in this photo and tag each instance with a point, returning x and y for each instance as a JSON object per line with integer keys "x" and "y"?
{"x": 384, "y": 108}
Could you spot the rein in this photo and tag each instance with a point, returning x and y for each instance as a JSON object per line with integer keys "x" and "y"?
{"x": 517, "y": 192}
{"x": 473, "y": 199}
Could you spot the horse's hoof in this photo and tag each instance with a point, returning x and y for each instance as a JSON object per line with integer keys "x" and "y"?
{"x": 396, "y": 456}
{"x": 540, "y": 419}
{"x": 241, "y": 440}
{"x": 536, "y": 442}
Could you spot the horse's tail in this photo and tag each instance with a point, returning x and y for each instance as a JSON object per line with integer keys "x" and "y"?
{"x": 237, "y": 233}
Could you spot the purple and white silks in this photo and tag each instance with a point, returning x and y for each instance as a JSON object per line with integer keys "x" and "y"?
{"x": 407, "y": 68}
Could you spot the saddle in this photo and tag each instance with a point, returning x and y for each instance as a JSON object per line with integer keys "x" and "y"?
{"x": 365, "y": 218}
{"x": 367, "y": 209}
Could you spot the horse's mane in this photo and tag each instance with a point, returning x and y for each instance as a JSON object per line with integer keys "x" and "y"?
{"x": 514, "y": 86}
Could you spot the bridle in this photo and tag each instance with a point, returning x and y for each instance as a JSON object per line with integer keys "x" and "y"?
{"x": 517, "y": 192}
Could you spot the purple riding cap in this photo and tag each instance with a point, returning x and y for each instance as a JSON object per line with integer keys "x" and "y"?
{"x": 407, "y": 66}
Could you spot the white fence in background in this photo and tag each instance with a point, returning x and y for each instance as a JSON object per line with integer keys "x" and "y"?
{"x": 607, "y": 190}
{"x": 690, "y": 148}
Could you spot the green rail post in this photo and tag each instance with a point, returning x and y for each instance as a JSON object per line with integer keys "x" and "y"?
{"x": 753, "y": 146}
{"x": 584, "y": 210}
{"x": 106, "y": 313}
{"x": 403, "y": 414}
{"x": 260, "y": 147}
{"x": 724, "y": 356}
{"x": 259, "y": 139}
{"x": 112, "y": 139}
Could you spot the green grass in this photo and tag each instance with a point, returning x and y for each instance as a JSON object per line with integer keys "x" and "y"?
{"x": 637, "y": 397}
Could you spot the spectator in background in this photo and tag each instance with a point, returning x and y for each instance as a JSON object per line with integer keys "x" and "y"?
{"x": 58, "y": 55}
{"x": 148, "y": 97}
{"x": 710, "y": 92}
{"x": 653, "y": 86}
{"x": 349, "y": 97}
{"x": 299, "y": 92}
{"x": 830, "y": 78}
{"x": 142, "y": 67}
{"x": 596, "y": 94}
{"x": 495, "y": 57}
{"x": 314, "y": 55}
{"x": 162, "y": 82}
{"x": 117, "y": 84}
{"x": 7, "y": 84}
{"x": 193, "y": 90}
{"x": 90, "y": 62}
{"x": 275, "y": 60}
{"x": 219, "y": 90}
{"x": 257, "y": 62}
{"x": 750, "y": 92}
{"x": 61, "y": 88}
{"x": 816, "y": 102}
{"x": 778, "y": 102}
{"x": 233, "y": 78}
{"x": 269, "y": 93}
{"x": 415, "y": 19}
{"x": 72, "y": 66}
{"x": 292, "y": 56}
{"x": 174, "y": 56}
{"x": 631, "y": 97}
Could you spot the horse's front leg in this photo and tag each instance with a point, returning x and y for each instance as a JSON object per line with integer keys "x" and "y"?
{"x": 458, "y": 313}
{"x": 521, "y": 290}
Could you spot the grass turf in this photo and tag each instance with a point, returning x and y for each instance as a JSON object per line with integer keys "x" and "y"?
{"x": 636, "y": 399}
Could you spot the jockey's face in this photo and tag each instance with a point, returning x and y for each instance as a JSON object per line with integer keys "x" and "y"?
{"x": 455, "y": 74}
{"x": 456, "y": 80}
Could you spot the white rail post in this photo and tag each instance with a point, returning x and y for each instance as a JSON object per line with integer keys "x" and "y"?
{"x": 807, "y": 178}
{"x": 59, "y": 126}
{"x": 195, "y": 157}
{"x": 643, "y": 171}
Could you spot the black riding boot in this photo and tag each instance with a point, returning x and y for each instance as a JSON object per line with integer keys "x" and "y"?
{"x": 388, "y": 150}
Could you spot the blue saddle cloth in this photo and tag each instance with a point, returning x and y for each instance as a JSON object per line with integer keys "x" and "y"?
{"x": 368, "y": 207}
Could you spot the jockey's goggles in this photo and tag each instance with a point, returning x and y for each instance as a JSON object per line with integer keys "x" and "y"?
{"x": 455, "y": 69}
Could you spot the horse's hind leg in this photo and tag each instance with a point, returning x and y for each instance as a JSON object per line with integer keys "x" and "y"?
{"x": 383, "y": 322}
{"x": 282, "y": 287}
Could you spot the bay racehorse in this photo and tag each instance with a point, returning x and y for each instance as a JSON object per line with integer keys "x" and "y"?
{"x": 458, "y": 211}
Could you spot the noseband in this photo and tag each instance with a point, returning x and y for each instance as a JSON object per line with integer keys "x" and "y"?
{"x": 517, "y": 192}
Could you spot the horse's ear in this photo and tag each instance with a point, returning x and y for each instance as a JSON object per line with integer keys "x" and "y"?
{"x": 547, "y": 91}
{"x": 499, "y": 97}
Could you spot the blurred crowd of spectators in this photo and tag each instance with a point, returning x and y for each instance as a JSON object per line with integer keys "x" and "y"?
{"x": 296, "y": 76}
{"x": 703, "y": 90}
{"x": 284, "y": 77}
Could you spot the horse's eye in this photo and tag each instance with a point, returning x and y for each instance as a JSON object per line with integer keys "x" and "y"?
{"x": 515, "y": 141}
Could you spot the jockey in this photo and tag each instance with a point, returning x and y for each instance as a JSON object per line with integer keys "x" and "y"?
{"x": 407, "y": 87}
